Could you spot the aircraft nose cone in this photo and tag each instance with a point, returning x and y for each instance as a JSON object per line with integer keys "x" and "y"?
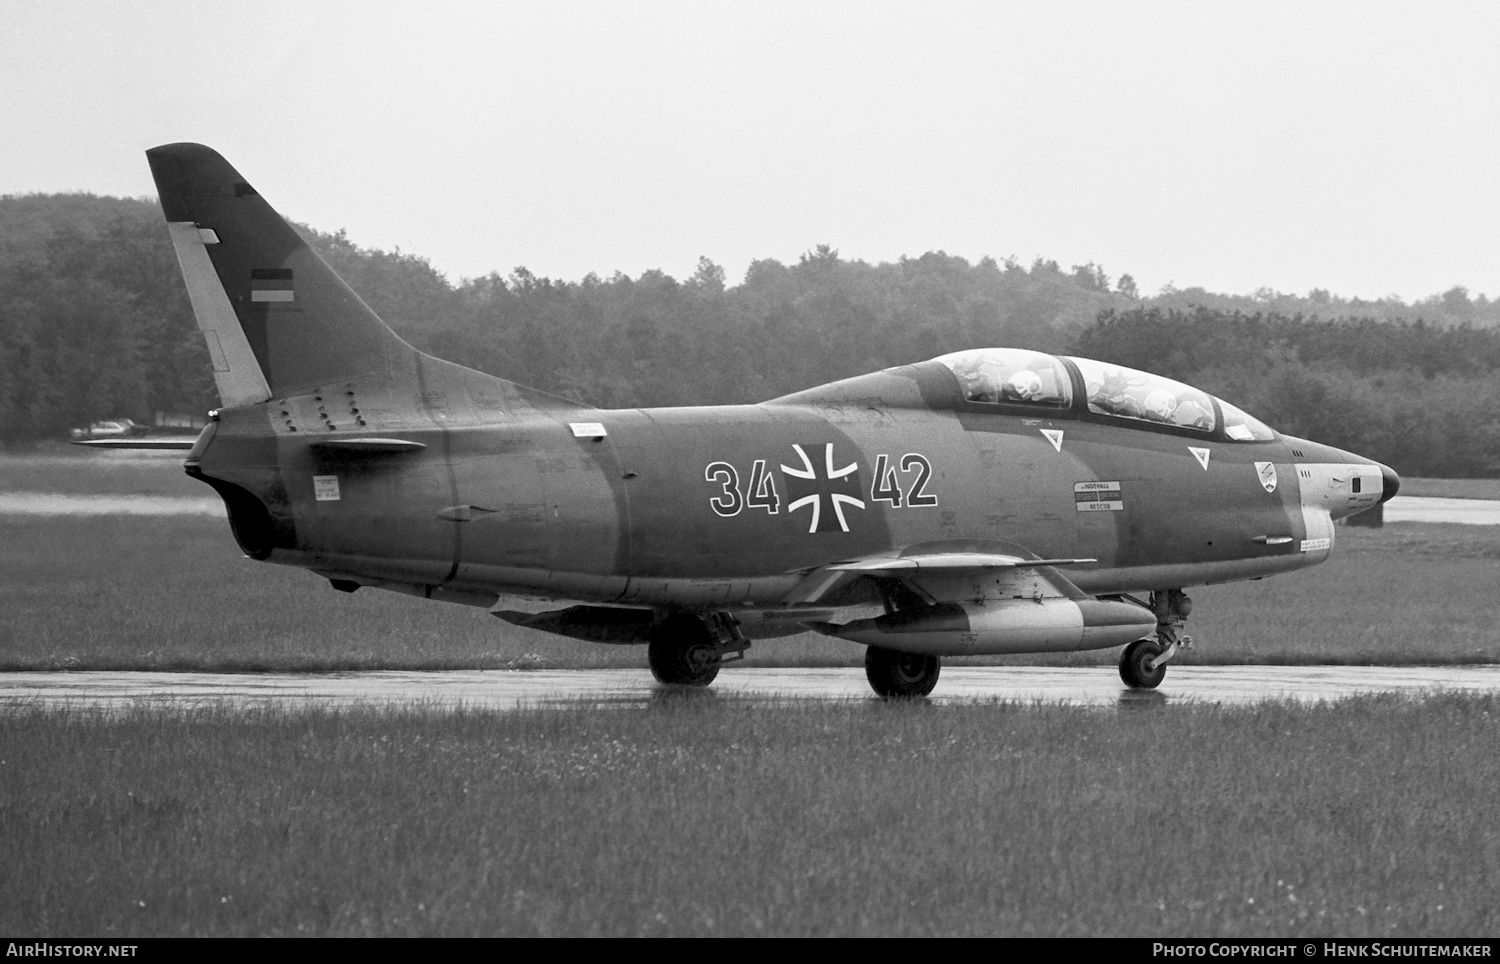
{"x": 1392, "y": 483}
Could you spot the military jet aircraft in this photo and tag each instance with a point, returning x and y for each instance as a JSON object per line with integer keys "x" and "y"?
{"x": 987, "y": 501}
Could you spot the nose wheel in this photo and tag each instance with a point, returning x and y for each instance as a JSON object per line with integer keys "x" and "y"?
{"x": 1142, "y": 666}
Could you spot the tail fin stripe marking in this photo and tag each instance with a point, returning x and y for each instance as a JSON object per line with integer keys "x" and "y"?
{"x": 271, "y": 284}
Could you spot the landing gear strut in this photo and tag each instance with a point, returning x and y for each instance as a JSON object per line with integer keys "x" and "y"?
{"x": 1144, "y": 662}
{"x": 893, "y": 674}
{"x": 686, "y": 650}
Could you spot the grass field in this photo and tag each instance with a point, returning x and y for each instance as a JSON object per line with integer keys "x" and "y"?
{"x": 1373, "y": 817}
{"x": 173, "y": 592}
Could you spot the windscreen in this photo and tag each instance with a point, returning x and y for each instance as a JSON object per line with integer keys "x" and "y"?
{"x": 1242, "y": 427}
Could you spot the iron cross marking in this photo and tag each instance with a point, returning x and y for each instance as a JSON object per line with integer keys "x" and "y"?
{"x": 828, "y": 493}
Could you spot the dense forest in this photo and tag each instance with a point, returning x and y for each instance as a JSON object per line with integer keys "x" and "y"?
{"x": 94, "y": 322}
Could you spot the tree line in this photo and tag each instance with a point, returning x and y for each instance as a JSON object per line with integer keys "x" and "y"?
{"x": 1421, "y": 398}
{"x": 95, "y": 322}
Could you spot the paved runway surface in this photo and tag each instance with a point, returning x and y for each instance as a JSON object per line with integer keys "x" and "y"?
{"x": 506, "y": 690}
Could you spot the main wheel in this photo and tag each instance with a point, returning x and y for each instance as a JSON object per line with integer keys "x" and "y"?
{"x": 900, "y": 674}
{"x": 682, "y": 652}
{"x": 1135, "y": 660}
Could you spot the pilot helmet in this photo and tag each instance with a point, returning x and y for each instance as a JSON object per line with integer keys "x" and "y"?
{"x": 1026, "y": 385}
{"x": 1160, "y": 404}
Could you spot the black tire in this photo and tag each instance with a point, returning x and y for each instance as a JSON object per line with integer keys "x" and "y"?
{"x": 901, "y": 675}
{"x": 682, "y": 653}
{"x": 1133, "y": 665}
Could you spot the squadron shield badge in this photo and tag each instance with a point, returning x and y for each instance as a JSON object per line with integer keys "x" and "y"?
{"x": 1267, "y": 473}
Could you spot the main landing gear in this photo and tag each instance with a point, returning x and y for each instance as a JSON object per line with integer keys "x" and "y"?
{"x": 1143, "y": 665}
{"x": 686, "y": 650}
{"x": 893, "y": 674}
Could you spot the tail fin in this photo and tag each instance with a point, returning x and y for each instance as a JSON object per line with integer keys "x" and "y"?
{"x": 277, "y": 319}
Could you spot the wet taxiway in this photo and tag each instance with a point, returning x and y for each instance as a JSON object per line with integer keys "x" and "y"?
{"x": 513, "y": 689}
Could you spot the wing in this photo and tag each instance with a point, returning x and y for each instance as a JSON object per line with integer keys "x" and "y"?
{"x": 951, "y": 563}
{"x": 931, "y": 560}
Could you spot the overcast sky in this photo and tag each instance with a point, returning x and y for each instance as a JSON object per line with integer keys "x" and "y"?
{"x": 1347, "y": 146}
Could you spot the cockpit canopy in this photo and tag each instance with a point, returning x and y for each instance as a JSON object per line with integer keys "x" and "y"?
{"x": 1015, "y": 376}
{"x": 1011, "y": 375}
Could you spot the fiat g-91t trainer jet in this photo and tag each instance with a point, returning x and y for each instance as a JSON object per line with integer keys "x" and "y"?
{"x": 987, "y": 501}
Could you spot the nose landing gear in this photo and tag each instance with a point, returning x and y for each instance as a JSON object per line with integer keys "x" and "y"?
{"x": 1143, "y": 665}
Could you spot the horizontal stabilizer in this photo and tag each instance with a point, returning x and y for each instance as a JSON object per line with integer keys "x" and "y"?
{"x": 161, "y": 444}
{"x": 370, "y": 446}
